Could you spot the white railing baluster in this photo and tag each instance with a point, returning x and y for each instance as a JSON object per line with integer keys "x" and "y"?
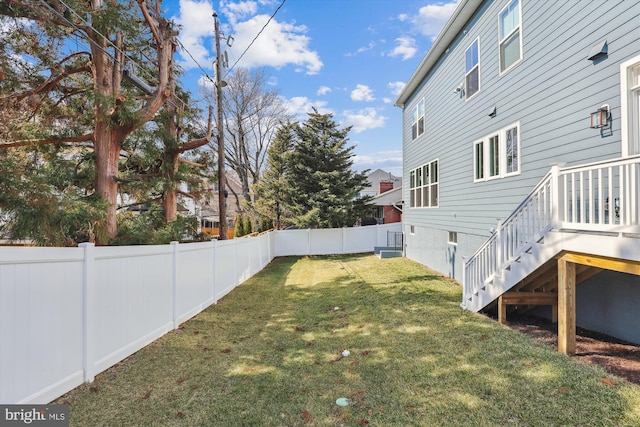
{"x": 633, "y": 191}
{"x": 590, "y": 201}
{"x": 611, "y": 197}
{"x": 581, "y": 198}
{"x": 600, "y": 198}
{"x": 622, "y": 191}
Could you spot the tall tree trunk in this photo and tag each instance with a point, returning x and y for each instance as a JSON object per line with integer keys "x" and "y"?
{"x": 107, "y": 152}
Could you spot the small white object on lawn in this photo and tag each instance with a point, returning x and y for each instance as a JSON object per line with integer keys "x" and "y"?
{"x": 342, "y": 401}
{"x": 345, "y": 353}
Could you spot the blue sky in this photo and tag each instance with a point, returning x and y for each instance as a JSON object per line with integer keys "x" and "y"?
{"x": 345, "y": 57}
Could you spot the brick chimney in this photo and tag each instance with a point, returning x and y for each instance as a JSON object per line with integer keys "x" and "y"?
{"x": 385, "y": 186}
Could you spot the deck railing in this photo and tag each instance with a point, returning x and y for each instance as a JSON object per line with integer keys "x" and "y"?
{"x": 597, "y": 197}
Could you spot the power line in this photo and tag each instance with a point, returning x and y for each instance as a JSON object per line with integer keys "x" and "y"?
{"x": 256, "y": 37}
{"x": 196, "y": 62}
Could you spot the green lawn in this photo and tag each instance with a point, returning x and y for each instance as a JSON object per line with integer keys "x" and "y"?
{"x": 269, "y": 354}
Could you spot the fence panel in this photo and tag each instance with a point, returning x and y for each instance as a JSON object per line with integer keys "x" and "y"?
{"x": 41, "y": 335}
{"x": 243, "y": 260}
{"x": 67, "y": 314}
{"x": 225, "y": 267}
{"x": 133, "y": 300}
{"x": 325, "y": 241}
{"x": 195, "y": 276}
{"x": 291, "y": 242}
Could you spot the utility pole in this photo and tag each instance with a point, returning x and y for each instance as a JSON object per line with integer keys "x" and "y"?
{"x": 222, "y": 200}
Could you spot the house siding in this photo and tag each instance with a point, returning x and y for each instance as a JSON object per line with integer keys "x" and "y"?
{"x": 551, "y": 93}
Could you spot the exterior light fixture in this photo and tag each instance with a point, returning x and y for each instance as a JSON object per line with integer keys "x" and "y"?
{"x": 600, "y": 118}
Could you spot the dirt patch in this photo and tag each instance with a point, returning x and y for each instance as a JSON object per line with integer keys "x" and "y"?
{"x": 615, "y": 356}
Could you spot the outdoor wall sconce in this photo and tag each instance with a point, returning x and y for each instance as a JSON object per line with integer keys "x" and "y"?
{"x": 493, "y": 112}
{"x": 600, "y": 118}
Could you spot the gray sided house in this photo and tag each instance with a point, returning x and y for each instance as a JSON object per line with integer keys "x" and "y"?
{"x": 521, "y": 142}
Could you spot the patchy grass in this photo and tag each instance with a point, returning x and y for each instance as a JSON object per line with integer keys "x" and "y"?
{"x": 270, "y": 354}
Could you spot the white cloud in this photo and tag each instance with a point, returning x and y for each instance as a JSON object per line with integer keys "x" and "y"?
{"x": 301, "y": 106}
{"x": 196, "y": 23}
{"x": 278, "y": 45}
{"x": 364, "y": 119}
{"x": 362, "y": 93}
{"x": 432, "y": 18}
{"x": 390, "y": 161}
{"x": 234, "y": 11}
{"x": 363, "y": 49}
{"x": 323, "y": 90}
{"x": 396, "y": 87}
{"x": 406, "y": 48}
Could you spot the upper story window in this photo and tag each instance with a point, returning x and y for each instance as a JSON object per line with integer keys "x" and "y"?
{"x": 510, "y": 35}
{"x": 417, "y": 125}
{"x": 497, "y": 155}
{"x": 472, "y": 76}
{"x": 423, "y": 186}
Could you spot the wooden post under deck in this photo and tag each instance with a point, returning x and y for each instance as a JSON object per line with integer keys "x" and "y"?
{"x": 566, "y": 307}
{"x": 567, "y": 291}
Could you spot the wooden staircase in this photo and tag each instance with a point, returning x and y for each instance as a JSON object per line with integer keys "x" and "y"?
{"x": 587, "y": 217}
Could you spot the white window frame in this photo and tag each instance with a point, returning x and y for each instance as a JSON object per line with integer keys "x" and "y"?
{"x": 508, "y": 36}
{"x": 422, "y": 187}
{"x": 416, "y": 118}
{"x": 502, "y": 171}
{"x": 476, "y": 176}
{"x": 493, "y": 173}
{"x": 518, "y": 150}
{"x": 452, "y": 239}
{"x": 630, "y": 106}
{"x": 475, "y": 67}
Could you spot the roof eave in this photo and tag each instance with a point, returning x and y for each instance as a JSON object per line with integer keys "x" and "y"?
{"x": 456, "y": 23}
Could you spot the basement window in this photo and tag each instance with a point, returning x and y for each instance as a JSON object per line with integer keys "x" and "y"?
{"x": 453, "y": 238}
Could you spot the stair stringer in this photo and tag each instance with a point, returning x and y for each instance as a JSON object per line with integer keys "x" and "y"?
{"x": 532, "y": 257}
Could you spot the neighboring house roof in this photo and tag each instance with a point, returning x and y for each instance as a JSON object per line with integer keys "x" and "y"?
{"x": 374, "y": 179}
{"x": 456, "y": 23}
{"x": 391, "y": 197}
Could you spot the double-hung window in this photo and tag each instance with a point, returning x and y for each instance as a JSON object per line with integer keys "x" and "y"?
{"x": 510, "y": 35}
{"x": 472, "y": 74}
{"x": 417, "y": 125}
{"x": 423, "y": 186}
{"x": 630, "y": 100}
{"x": 497, "y": 155}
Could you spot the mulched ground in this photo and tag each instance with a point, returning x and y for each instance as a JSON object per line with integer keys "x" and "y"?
{"x": 617, "y": 357}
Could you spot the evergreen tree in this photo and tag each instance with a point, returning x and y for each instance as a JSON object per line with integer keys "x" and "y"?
{"x": 239, "y": 228}
{"x": 68, "y": 83}
{"x": 322, "y": 188}
{"x": 248, "y": 226}
{"x": 271, "y": 190}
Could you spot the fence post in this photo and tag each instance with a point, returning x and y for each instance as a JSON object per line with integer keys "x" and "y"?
{"x": 174, "y": 284}
{"x": 88, "y": 289}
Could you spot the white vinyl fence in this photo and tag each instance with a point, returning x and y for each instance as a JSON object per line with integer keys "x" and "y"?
{"x": 67, "y": 314}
